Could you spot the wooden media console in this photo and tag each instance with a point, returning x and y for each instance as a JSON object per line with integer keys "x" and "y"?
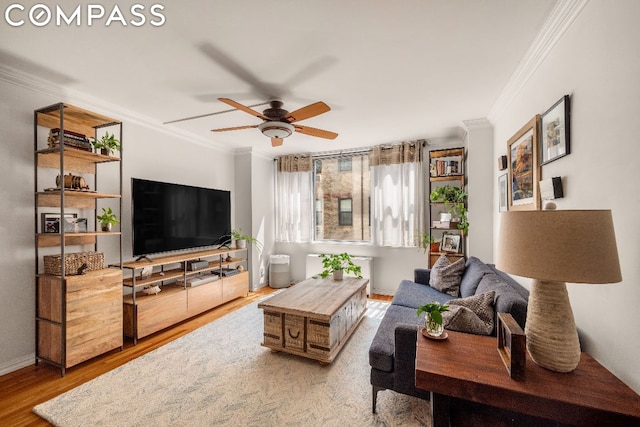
{"x": 145, "y": 314}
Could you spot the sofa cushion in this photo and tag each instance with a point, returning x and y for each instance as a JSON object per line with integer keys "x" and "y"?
{"x": 413, "y": 295}
{"x": 507, "y": 300}
{"x": 446, "y": 275}
{"x": 473, "y": 315}
{"x": 510, "y": 281}
{"x": 382, "y": 349}
{"x": 422, "y": 275}
{"x": 473, "y": 272}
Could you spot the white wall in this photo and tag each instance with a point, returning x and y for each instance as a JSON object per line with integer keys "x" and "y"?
{"x": 479, "y": 144}
{"x": 597, "y": 63}
{"x": 148, "y": 153}
{"x": 255, "y": 209}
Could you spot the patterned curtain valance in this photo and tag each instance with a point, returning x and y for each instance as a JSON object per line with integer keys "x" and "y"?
{"x": 406, "y": 152}
{"x": 295, "y": 163}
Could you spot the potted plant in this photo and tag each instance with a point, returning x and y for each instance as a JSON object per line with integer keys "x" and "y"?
{"x": 456, "y": 197}
{"x": 428, "y": 242}
{"x": 107, "y": 219}
{"x": 338, "y": 264}
{"x": 242, "y": 239}
{"x": 433, "y": 317}
{"x": 106, "y": 144}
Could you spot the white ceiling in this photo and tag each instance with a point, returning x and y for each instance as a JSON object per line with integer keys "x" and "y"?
{"x": 391, "y": 71}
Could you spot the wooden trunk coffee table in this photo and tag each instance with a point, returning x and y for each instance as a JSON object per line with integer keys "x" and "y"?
{"x": 315, "y": 317}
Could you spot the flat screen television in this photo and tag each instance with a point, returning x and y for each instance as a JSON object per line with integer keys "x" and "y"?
{"x": 171, "y": 217}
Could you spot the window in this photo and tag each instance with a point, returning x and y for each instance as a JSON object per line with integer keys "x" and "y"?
{"x": 344, "y": 164}
{"x": 345, "y": 212}
{"x": 318, "y": 212}
{"x": 342, "y": 188}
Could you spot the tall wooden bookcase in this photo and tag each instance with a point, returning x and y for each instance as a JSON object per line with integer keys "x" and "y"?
{"x": 446, "y": 167}
{"x": 78, "y": 316}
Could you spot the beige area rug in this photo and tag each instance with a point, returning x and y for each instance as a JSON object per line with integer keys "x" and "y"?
{"x": 220, "y": 375}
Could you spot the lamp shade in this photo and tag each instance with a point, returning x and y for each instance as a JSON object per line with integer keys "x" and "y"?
{"x": 575, "y": 246}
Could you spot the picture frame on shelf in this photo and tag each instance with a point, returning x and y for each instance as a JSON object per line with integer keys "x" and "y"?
{"x": 523, "y": 168}
{"x": 146, "y": 272}
{"x": 502, "y": 193}
{"x": 50, "y": 222}
{"x": 450, "y": 242}
{"x": 512, "y": 344}
{"x": 555, "y": 131}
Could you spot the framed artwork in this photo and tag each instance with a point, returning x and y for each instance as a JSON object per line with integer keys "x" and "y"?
{"x": 523, "y": 168}
{"x": 50, "y": 222}
{"x": 450, "y": 242}
{"x": 502, "y": 193}
{"x": 555, "y": 133}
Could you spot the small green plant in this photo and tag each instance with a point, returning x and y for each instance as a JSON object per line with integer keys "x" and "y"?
{"x": 435, "y": 310}
{"x": 336, "y": 262}
{"x": 426, "y": 240}
{"x": 456, "y": 197}
{"x": 108, "y": 218}
{"x": 239, "y": 235}
{"x": 448, "y": 194}
{"x": 107, "y": 142}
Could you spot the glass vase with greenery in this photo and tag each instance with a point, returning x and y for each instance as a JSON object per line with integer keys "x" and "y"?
{"x": 433, "y": 317}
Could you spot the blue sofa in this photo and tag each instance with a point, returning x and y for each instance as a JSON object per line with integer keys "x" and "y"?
{"x": 392, "y": 352}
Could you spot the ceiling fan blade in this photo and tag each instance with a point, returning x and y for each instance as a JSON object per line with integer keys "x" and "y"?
{"x": 320, "y": 133}
{"x": 210, "y": 114}
{"x": 234, "y": 128}
{"x": 243, "y": 108}
{"x": 312, "y": 110}
{"x": 276, "y": 142}
{"x": 259, "y": 87}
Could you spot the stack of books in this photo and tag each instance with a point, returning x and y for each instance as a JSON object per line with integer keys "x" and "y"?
{"x": 444, "y": 168}
{"x": 70, "y": 139}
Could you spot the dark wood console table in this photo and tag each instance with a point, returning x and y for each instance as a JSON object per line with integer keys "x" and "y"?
{"x": 468, "y": 367}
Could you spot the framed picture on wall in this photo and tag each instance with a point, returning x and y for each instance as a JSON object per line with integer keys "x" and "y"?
{"x": 523, "y": 168}
{"x": 502, "y": 193}
{"x": 555, "y": 132}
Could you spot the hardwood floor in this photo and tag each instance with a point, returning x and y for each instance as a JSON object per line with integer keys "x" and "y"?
{"x": 21, "y": 390}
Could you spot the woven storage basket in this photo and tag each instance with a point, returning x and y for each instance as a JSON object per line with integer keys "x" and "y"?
{"x": 73, "y": 262}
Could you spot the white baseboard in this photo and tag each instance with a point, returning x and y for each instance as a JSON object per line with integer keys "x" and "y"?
{"x": 15, "y": 364}
{"x": 387, "y": 292}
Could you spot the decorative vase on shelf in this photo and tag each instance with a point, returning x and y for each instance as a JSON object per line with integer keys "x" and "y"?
{"x": 433, "y": 328}
{"x": 241, "y": 244}
{"x": 106, "y": 227}
{"x": 337, "y": 274}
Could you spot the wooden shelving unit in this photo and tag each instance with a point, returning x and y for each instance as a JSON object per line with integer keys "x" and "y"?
{"x": 446, "y": 167}
{"x": 145, "y": 314}
{"x": 77, "y": 316}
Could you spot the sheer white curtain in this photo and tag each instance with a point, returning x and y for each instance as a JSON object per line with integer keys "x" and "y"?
{"x": 294, "y": 199}
{"x": 397, "y": 194}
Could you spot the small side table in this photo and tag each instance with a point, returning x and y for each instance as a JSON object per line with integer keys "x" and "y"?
{"x": 468, "y": 367}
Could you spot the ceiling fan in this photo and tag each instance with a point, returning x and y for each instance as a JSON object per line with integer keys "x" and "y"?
{"x": 278, "y": 123}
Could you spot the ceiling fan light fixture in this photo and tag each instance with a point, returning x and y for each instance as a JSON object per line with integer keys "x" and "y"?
{"x": 273, "y": 129}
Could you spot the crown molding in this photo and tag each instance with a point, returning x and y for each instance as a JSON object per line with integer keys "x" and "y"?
{"x": 559, "y": 21}
{"x": 47, "y": 88}
{"x": 480, "y": 123}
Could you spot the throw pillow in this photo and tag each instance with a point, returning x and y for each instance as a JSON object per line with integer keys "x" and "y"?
{"x": 508, "y": 300}
{"x": 473, "y": 315}
{"x": 446, "y": 276}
